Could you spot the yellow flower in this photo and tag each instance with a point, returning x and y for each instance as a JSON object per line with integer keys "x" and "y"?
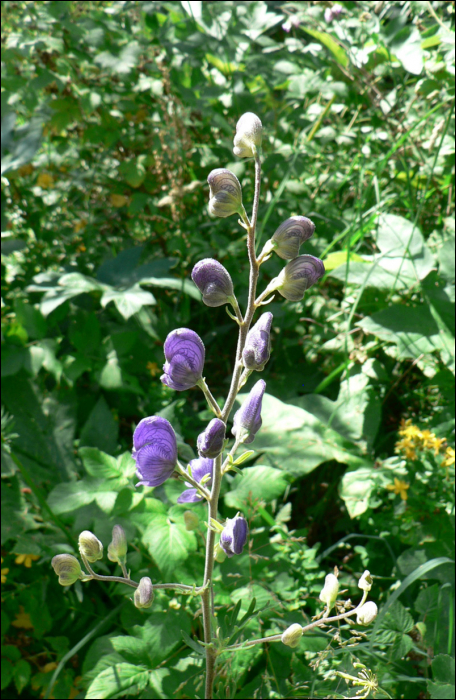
{"x": 118, "y": 200}
{"x": 45, "y": 180}
{"x": 438, "y": 443}
{"x": 428, "y": 439}
{"x": 408, "y": 430}
{"x": 400, "y": 488}
{"x": 407, "y": 446}
{"x": 26, "y": 559}
{"x": 153, "y": 368}
{"x": 4, "y": 572}
{"x": 448, "y": 460}
{"x": 22, "y": 620}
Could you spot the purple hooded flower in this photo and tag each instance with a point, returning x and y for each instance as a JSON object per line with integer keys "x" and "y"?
{"x": 258, "y": 344}
{"x": 154, "y": 450}
{"x": 200, "y": 467}
{"x": 247, "y": 420}
{"x": 333, "y": 12}
{"x": 213, "y": 281}
{"x": 184, "y": 353}
{"x": 290, "y": 235}
{"x": 210, "y": 442}
{"x": 234, "y": 535}
{"x": 300, "y": 274}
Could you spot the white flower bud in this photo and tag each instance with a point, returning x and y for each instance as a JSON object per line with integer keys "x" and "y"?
{"x": 90, "y": 546}
{"x": 67, "y": 568}
{"x": 365, "y": 582}
{"x": 249, "y": 130}
{"x": 144, "y": 594}
{"x": 292, "y": 635}
{"x": 330, "y": 590}
{"x": 367, "y": 613}
{"x": 117, "y": 549}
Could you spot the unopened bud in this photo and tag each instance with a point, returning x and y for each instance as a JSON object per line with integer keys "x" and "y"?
{"x": 90, "y": 546}
{"x": 330, "y": 590}
{"x": 144, "y": 594}
{"x": 365, "y": 582}
{"x": 67, "y": 568}
{"x": 117, "y": 549}
{"x": 191, "y": 520}
{"x": 219, "y": 554}
{"x": 297, "y": 276}
{"x": 288, "y": 238}
{"x": 367, "y": 613}
{"x": 249, "y": 132}
{"x": 225, "y": 195}
{"x": 292, "y": 635}
{"x": 213, "y": 281}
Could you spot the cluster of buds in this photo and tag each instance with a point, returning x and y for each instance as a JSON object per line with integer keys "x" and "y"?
{"x": 366, "y": 612}
{"x": 68, "y": 568}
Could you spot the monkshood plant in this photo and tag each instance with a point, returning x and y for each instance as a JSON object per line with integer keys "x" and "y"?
{"x": 154, "y": 440}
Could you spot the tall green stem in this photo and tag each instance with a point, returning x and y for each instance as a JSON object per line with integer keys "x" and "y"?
{"x": 244, "y": 326}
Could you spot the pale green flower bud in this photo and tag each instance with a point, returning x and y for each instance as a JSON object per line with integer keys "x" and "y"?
{"x": 367, "y": 613}
{"x": 219, "y": 554}
{"x": 191, "y": 520}
{"x": 225, "y": 195}
{"x": 90, "y": 546}
{"x": 67, "y": 568}
{"x": 249, "y": 132}
{"x": 292, "y": 635}
{"x": 365, "y": 582}
{"x": 117, "y": 549}
{"x": 144, "y": 594}
{"x": 330, "y": 590}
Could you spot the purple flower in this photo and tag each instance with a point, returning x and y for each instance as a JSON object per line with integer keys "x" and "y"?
{"x": 213, "y": 281}
{"x": 300, "y": 274}
{"x": 247, "y": 420}
{"x": 234, "y": 535}
{"x": 258, "y": 344}
{"x": 290, "y": 235}
{"x": 155, "y": 451}
{"x": 210, "y": 442}
{"x": 200, "y": 467}
{"x": 184, "y": 353}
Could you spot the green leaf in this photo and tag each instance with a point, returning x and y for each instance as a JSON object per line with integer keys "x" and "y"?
{"x": 118, "y": 681}
{"x": 245, "y": 486}
{"x": 442, "y": 686}
{"x": 22, "y": 673}
{"x": 99, "y": 464}
{"x": 412, "y": 328}
{"x": 326, "y": 39}
{"x": 100, "y": 430}
{"x": 7, "y": 672}
{"x": 293, "y": 440}
{"x": 334, "y": 260}
{"x": 128, "y": 302}
{"x": 356, "y": 488}
{"x": 168, "y": 543}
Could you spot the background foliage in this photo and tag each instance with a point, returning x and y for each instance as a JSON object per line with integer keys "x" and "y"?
{"x": 113, "y": 115}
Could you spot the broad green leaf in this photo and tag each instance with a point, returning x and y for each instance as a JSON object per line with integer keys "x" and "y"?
{"x": 245, "y": 486}
{"x": 333, "y": 260}
{"x": 99, "y": 464}
{"x": 293, "y": 440}
{"x": 168, "y": 543}
{"x": 100, "y": 431}
{"x": 412, "y": 328}
{"x": 128, "y": 302}
{"x": 442, "y": 686}
{"x": 356, "y": 488}
{"x": 161, "y": 633}
{"x": 119, "y": 680}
